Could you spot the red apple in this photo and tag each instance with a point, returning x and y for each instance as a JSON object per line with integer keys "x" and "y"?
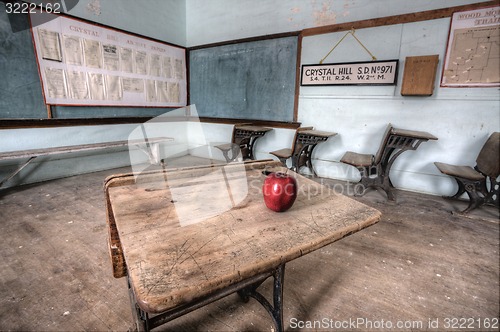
{"x": 279, "y": 190}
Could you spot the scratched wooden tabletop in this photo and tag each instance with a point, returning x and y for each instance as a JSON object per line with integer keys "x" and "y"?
{"x": 188, "y": 233}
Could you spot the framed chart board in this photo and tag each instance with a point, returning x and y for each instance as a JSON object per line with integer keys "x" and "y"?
{"x": 472, "y": 55}
{"x": 90, "y": 65}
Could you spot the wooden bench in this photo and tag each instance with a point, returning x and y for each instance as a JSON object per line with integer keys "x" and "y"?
{"x": 374, "y": 169}
{"x": 303, "y": 144}
{"x": 473, "y": 181}
{"x": 243, "y": 139}
{"x": 149, "y": 146}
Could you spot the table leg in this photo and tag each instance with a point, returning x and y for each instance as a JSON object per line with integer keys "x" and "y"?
{"x": 141, "y": 318}
{"x": 276, "y": 309}
{"x": 19, "y": 169}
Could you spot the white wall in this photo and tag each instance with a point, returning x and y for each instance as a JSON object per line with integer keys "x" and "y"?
{"x": 222, "y": 20}
{"x": 160, "y": 19}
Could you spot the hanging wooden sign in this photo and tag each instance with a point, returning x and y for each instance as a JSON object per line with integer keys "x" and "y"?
{"x": 419, "y": 75}
{"x": 351, "y": 73}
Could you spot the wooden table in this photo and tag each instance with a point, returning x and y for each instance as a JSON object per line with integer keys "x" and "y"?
{"x": 307, "y": 141}
{"x": 174, "y": 265}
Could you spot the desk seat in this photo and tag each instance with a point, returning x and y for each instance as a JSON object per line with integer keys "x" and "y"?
{"x": 283, "y": 153}
{"x": 374, "y": 169}
{"x": 473, "y": 181}
{"x": 460, "y": 171}
{"x": 357, "y": 159}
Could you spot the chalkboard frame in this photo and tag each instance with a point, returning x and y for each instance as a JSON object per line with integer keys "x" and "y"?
{"x": 294, "y": 81}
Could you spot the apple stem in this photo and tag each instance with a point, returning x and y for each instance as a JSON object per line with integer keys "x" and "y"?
{"x": 266, "y": 172}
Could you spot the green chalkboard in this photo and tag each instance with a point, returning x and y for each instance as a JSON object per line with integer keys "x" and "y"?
{"x": 20, "y": 90}
{"x": 250, "y": 80}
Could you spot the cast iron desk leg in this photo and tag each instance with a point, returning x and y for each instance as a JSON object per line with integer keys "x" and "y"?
{"x": 309, "y": 159}
{"x": 395, "y": 147}
{"x": 251, "y": 142}
{"x": 275, "y": 310}
{"x": 304, "y": 155}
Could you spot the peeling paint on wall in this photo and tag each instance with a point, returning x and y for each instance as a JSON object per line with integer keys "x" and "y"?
{"x": 295, "y": 11}
{"x": 347, "y": 5}
{"x": 323, "y": 13}
{"x": 94, "y": 6}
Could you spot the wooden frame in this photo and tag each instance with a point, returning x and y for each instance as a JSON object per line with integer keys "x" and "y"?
{"x": 88, "y": 64}
{"x": 419, "y": 75}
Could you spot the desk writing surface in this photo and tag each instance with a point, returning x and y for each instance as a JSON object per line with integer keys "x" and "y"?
{"x": 318, "y": 133}
{"x": 254, "y": 128}
{"x": 413, "y": 133}
{"x": 170, "y": 265}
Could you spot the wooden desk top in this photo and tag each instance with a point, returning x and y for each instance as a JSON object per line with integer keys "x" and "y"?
{"x": 413, "y": 134}
{"x": 317, "y": 133}
{"x": 253, "y": 128}
{"x": 170, "y": 265}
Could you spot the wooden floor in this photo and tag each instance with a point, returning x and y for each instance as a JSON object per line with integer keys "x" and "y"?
{"x": 421, "y": 266}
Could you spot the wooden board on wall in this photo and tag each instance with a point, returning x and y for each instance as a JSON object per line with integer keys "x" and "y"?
{"x": 419, "y": 75}
{"x": 81, "y": 63}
